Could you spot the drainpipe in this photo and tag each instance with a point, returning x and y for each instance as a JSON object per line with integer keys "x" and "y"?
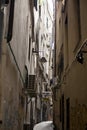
{"x": 16, "y": 63}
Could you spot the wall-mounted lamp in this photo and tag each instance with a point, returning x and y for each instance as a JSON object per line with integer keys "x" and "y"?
{"x": 80, "y": 57}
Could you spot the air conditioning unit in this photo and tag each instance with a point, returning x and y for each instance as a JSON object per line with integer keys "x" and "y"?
{"x": 31, "y": 82}
{"x": 30, "y": 89}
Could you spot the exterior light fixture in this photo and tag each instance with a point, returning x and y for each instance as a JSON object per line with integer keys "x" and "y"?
{"x": 82, "y": 50}
{"x": 80, "y": 57}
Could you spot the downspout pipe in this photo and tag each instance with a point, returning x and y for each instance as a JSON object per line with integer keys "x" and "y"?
{"x": 55, "y": 40}
{"x": 16, "y": 63}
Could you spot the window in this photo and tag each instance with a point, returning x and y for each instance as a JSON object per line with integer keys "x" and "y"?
{"x": 62, "y": 103}
{"x": 10, "y": 22}
{"x": 26, "y": 127}
{"x": 60, "y": 110}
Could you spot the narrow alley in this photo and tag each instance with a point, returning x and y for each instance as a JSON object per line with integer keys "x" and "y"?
{"x": 43, "y": 65}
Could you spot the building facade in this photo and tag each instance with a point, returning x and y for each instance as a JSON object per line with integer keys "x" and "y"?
{"x": 16, "y": 59}
{"x": 70, "y": 106}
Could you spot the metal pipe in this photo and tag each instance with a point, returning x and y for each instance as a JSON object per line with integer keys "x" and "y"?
{"x": 16, "y": 62}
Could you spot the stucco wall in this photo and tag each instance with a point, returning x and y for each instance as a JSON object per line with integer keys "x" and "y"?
{"x": 74, "y": 83}
{"x": 12, "y": 100}
{"x": 21, "y": 31}
{"x": 83, "y": 10}
{"x": 11, "y": 91}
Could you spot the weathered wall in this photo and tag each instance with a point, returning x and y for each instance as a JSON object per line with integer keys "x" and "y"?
{"x": 83, "y": 18}
{"x": 75, "y": 88}
{"x": 21, "y": 31}
{"x": 12, "y": 104}
{"x": 74, "y": 83}
{"x": 58, "y": 32}
{"x": 12, "y": 111}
